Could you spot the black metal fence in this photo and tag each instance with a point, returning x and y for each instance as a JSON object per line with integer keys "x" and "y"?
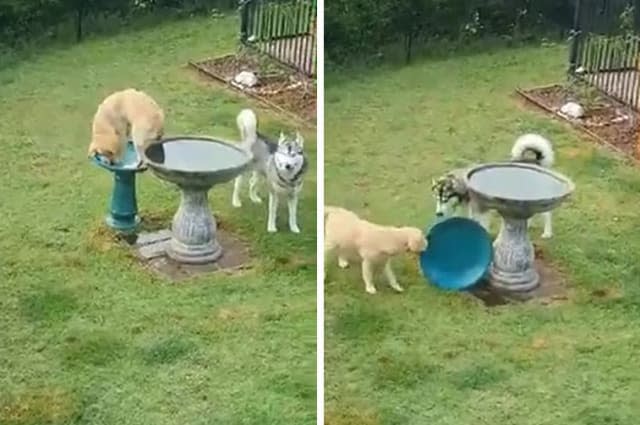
{"x": 282, "y": 29}
{"x": 605, "y": 48}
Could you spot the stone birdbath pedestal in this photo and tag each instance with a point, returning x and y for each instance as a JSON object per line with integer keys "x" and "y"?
{"x": 123, "y": 211}
{"x": 517, "y": 191}
{"x": 195, "y": 165}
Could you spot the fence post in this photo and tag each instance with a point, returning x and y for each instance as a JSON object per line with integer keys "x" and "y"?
{"x": 244, "y": 20}
{"x": 576, "y": 35}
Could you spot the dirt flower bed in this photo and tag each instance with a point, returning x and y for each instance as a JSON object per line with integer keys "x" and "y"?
{"x": 611, "y": 121}
{"x": 278, "y": 86}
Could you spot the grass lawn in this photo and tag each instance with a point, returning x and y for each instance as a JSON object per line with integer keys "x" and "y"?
{"x": 428, "y": 357}
{"x": 88, "y": 336}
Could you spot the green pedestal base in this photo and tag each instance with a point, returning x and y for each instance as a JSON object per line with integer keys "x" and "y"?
{"x": 123, "y": 211}
{"x": 123, "y": 214}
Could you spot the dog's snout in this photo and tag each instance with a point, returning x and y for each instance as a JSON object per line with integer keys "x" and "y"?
{"x": 439, "y": 214}
{"x": 288, "y": 166}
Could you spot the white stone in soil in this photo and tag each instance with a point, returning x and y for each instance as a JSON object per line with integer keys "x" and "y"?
{"x": 572, "y": 110}
{"x": 246, "y": 78}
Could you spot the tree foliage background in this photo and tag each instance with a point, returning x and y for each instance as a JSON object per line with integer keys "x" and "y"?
{"x": 25, "y": 19}
{"x": 361, "y": 27}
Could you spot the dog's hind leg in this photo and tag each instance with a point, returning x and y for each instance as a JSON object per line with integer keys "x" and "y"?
{"x": 292, "y": 203}
{"x": 235, "y": 198}
{"x": 547, "y": 233}
{"x": 367, "y": 276}
{"x": 253, "y": 188}
{"x": 391, "y": 278}
{"x": 273, "y": 210}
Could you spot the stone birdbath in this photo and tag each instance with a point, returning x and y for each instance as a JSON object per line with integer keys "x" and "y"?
{"x": 195, "y": 165}
{"x": 517, "y": 191}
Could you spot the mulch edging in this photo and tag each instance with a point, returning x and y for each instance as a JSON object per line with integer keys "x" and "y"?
{"x": 524, "y": 93}
{"x": 227, "y": 82}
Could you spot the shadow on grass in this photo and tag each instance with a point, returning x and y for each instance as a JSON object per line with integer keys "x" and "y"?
{"x": 49, "y": 305}
{"x": 92, "y": 347}
{"x": 167, "y": 351}
{"x": 478, "y": 377}
{"x": 402, "y": 373}
{"x": 361, "y": 321}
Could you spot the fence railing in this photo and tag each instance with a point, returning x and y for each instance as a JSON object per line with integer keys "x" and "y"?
{"x": 282, "y": 29}
{"x": 605, "y": 48}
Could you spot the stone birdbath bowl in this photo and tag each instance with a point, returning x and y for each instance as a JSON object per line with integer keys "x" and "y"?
{"x": 517, "y": 191}
{"x": 195, "y": 165}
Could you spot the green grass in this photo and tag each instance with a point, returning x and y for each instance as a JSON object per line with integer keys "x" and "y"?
{"x": 89, "y": 336}
{"x": 429, "y": 357}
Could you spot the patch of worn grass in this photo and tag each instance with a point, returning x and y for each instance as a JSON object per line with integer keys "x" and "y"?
{"x": 80, "y": 315}
{"x": 429, "y": 357}
{"x": 40, "y": 406}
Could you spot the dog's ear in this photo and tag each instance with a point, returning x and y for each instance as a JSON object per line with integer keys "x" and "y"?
{"x": 299, "y": 139}
{"x": 281, "y": 138}
{"x": 434, "y": 183}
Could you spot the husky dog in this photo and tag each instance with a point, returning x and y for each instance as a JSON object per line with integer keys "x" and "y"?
{"x": 282, "y": 164}
{"x": 450, "y": 190}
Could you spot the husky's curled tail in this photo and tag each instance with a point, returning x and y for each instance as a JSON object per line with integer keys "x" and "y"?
{"x": 248, "y": 125}
{"x": 536, "y": 144}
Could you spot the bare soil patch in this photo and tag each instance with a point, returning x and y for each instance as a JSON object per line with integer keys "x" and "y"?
{"x": 606, "y": 120}
{"x": 279, "y": 87}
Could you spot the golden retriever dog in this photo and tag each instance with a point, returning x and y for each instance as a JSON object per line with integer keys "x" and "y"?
{"x": 354, "y": 238}
{"x": 122, "y": 115}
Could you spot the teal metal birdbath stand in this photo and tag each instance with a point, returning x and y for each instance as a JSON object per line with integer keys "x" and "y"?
{"x": 123, "y": 212}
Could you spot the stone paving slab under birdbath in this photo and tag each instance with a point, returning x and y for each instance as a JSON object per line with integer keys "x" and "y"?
{"x": 553, "y": 288}
{"x": 150, "y": 248}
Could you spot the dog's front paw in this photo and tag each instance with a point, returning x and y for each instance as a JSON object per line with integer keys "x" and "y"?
{"x": 237, "y": 203}
{"x": 371, "y": 290}
{"x": 547, "y": 235}
{"x": 256, "y": 199}
{"x": 342, "y": 263}
{"x": 272, "y": 229}
{"x": 294, "y": 228}
{"x": 397, "y": 288}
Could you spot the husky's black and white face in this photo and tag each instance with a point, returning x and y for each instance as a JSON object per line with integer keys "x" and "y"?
{"x": 448, "y": 195}
{"x": 289, "y": 157}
